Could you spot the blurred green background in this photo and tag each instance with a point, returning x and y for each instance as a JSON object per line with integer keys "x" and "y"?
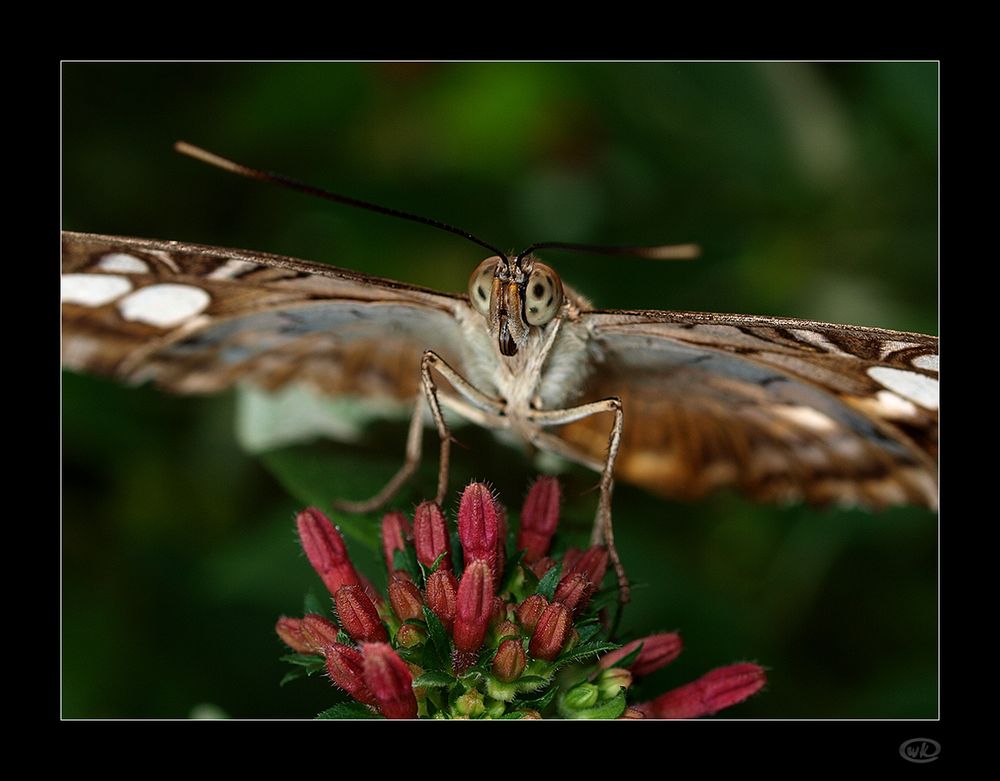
{"x": 812, "y": 189}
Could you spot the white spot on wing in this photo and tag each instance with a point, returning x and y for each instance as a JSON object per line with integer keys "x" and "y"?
{"x": 816, "y": 338}
{"x": 93, "y": 289}
{"x": 123, "y": 263}
{"x": 807, "y": 417}
{"x": 232, "y": 268}
{"x": 917, "y": 387}
{"x": 164, "y": 305}
{"x": 929, "y": 362}
{"x": 893, "y": 406}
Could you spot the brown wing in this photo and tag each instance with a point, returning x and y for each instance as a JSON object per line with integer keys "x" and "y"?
{"x": 195, "y": 319}
{"x": 782, "y": 409}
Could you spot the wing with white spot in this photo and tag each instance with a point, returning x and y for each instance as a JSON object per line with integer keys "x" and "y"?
{"x": 781, "y": 409}
{"x": 195, "y": 319}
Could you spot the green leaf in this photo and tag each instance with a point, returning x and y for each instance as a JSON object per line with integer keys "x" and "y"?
{"x": 292, "y": 674}
{"x": 344, "y": 639}
{"x": 313, "y": 604}
{"x": 547, "y": 585}
{"x": 320, "y": 473}
{"x": 439, "y": 639}
{"x": 437, "y": 562}
{"x": 433, "y": 678}
{"x": 530, "y": 683}
{"x": 349, "y": 710}
{"x": 304, "y": 660}
{"x": 587, "y": 629}
{"x": 514, "y": 714}
{"x": 584, "y": 651}
{"x": 539, "y": 703}
{"x": 406, "y": 560}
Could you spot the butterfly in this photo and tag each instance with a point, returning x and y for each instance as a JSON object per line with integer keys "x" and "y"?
{"x": 681, "y": 403}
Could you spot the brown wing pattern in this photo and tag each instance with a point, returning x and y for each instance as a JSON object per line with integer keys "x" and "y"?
{"x": 195, "y": 319}
{"x": 781, "y": 409}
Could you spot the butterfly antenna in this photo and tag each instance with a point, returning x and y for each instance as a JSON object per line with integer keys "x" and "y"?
{"x": 662, "y": 252}
{"x": 267, "y": 176}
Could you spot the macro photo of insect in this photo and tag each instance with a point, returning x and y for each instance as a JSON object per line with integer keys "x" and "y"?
{"x": 500, "y": 390}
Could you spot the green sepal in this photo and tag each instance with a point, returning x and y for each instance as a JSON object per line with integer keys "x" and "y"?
{"x": 584, "y": 651}
{"x": 547, "y": 585}
{"x": 499, "y": 690}
{"x": 611, "y": 709}
{"x": 313, "y": 661}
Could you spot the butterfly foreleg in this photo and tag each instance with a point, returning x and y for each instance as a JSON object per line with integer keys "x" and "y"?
{"x": 432, "y": 360}
{"x": 603, "y": 531}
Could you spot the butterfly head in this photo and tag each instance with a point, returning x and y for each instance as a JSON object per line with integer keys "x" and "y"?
{"x": 515, "y": 295}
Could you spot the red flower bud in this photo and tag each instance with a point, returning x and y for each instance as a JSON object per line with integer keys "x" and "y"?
{"x": 405, "y": 599}
{"x": 657, "y": 651}
{"x": 395, "y": 532}
{"x": 550, "y": 633}
{"x": 539, "y": 518}
{"x": 507, "y": 629}
{"x": 473, "y": 606}
{"x": 345, "y": 666}
{"x": 529, "y": 611}
{"x": 290, "y": 632}
{"x": 318, "y": 633}
{"x": 358, "y": 615}
{"x": 709, "y": 694}
{"x": 510, "y": 661}
{"x": 389, "y": 679}
{"x": 430, "y": 535}
{"x": 325, "y": 550}
{"x": 593, "y": 563}
{"x": 479, "y": 526}
{"x": 543, "y": 565}
{"x": 440, "y": 593}
{"x": 574, "y": 591}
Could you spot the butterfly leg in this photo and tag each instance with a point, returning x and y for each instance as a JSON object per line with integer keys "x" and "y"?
{"x": 603, "y": 531}
{"x": 432, "y": 360}
{"x": 414, "y": 441}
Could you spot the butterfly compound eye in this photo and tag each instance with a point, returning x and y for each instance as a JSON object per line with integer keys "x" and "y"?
{"x": 481, "y": 285}
{"x": 543, "y": 295}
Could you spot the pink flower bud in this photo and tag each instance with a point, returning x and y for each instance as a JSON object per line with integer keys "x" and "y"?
{"x": 318, "y": 632}
{"x": 657, "y": 651}
{"x": 325, "y": 549}
{"x": 430, "y": 535}
{"x": 529, "y": 611}
{"x": 290, "y": 632}
{"x": 473, "y": 606}
{"x": 570, "y": 558}
{"x": 479, "y": 526}
{"x": 359, "y": 616}
{"x": 550, "y": 633}
{"x": 709, "y": 694}
{"x": 539, "y": 518}
{"x": 389, "y": 679}
{"x": 405, "y": 599}
{"x": 395, "y": 533}
{"x": 510, "y": 661}
{"x": 440, "y": 593}
{"x": 345, "y": 666}
{"x": 574, "y": 591}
